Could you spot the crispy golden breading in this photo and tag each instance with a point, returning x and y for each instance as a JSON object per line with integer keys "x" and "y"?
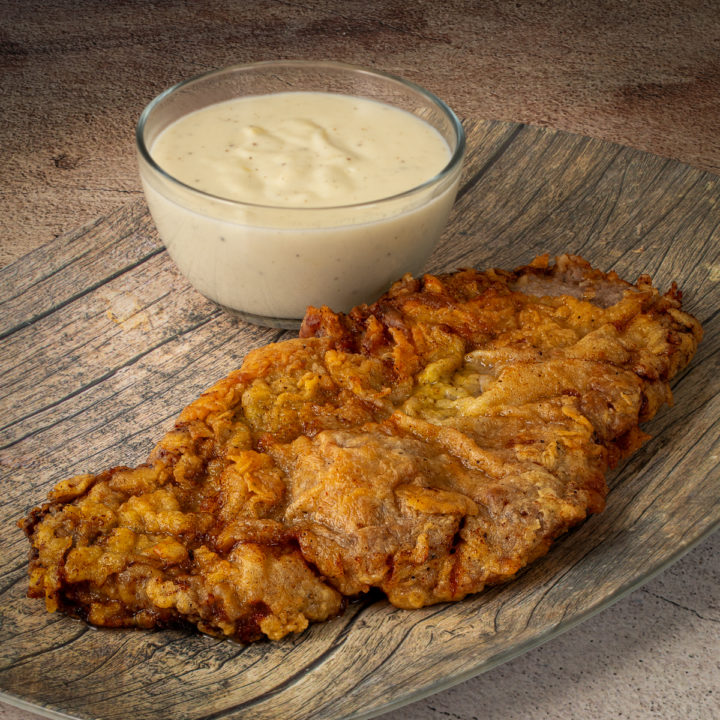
{"x": 429, "y": 445}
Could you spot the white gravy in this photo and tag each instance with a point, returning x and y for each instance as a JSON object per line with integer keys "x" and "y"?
{"x": 301, "y": 149}
{"x": 279, "y": 226}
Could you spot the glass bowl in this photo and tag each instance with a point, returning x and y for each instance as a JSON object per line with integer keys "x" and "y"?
{"x": 266, "y": 263}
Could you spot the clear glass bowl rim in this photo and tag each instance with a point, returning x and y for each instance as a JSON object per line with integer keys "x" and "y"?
{"x": 454, "y": 162}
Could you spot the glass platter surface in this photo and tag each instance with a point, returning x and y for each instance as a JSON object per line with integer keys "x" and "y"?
{"x": 526, "y": 191}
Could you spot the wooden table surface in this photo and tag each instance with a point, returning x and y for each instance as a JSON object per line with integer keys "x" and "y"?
{"x": 75, "y": 76}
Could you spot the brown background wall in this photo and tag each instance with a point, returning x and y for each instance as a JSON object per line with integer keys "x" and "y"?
{"x": 74, "y": 76}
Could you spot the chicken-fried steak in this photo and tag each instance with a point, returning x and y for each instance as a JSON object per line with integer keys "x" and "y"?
{"x": 430, "y": 444}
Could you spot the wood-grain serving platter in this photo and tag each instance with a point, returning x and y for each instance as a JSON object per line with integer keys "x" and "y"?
{"x": 103, "y": 343}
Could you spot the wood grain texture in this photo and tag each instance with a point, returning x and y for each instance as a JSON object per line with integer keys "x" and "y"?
{"x": 104, "y": 342}
{"x": 642, "y": 72}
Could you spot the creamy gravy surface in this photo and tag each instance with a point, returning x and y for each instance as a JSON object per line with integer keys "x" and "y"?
{"x": 296, "y": 165}
{"x": 301, "y": 149}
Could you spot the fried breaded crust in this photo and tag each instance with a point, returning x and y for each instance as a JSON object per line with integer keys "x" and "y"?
{"x": 429, "y": 445}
